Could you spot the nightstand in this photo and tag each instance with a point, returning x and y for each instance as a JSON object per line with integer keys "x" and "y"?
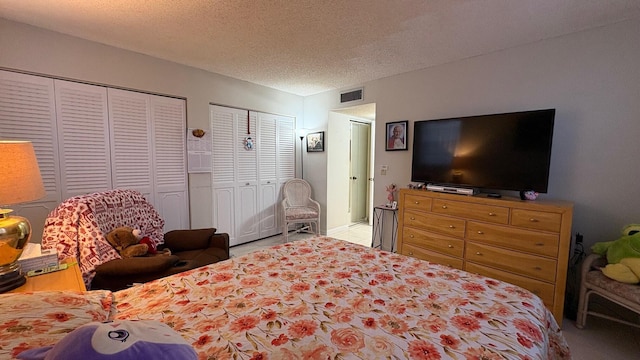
{"x": 67, "y": 279}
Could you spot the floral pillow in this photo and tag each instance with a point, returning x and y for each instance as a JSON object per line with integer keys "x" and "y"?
{"x": 37, "y": 319}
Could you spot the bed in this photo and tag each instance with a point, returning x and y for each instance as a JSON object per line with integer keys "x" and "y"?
{"x": 319, "y": 298}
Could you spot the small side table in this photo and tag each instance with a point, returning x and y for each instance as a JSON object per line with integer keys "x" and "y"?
{"x": 379, "y": 216}
{"x": 67, "y": 279}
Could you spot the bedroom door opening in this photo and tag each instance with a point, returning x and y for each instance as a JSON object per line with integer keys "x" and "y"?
{"x": 359, "y": 183}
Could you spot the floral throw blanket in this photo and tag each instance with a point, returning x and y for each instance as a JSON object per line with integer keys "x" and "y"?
{"x": 324, "y": 298}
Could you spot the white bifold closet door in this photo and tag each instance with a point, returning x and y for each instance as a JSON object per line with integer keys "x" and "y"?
{"x": 91, "y": 138}
{"x": 247, "y": 182}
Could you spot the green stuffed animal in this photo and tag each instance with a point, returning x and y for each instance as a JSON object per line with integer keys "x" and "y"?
{"x": 623, "y": 255}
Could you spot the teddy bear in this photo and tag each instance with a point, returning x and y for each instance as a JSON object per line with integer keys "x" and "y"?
{"x": 623, "y": 255}
{"x": 126, "y": 241}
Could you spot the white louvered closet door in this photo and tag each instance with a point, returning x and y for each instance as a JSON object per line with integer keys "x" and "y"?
{"x": 131, "y": 139}
{"x": 223, "y": 180}
{"x": 268, "y": 147}
{"x": 168, "y": 123}
{"x": 27, "y": 112}
{"x": 83, "y": 138}
{"x": 247, "y": 209}
{"x": 286, "y": 164}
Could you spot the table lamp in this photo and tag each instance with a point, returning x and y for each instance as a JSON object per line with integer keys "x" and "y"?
{"x": 20, "y": 181}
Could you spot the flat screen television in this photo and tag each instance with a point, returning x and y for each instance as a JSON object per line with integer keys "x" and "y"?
{"x": 510, "y": 151}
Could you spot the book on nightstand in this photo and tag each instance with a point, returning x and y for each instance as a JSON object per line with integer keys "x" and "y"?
{"x": 34, "y": 258}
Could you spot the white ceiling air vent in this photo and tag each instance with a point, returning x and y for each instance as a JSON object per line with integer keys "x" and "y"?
{"x": 351, "y": 95}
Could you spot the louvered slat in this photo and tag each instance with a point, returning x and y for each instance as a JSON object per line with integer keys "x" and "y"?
{"x": 131, "y": 153}
{"x": 286, "y": 148}
{"x": 27, "y": 112}
{"x": 247, "y": 159}
{"x": 222, "y": 125}
{"x": 169, "y": 123}
{"x": 82, "y": 121}
{"x": 268, "y": 128}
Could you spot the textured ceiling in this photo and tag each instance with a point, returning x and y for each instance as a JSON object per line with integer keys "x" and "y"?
{"x": 309, "y": 46}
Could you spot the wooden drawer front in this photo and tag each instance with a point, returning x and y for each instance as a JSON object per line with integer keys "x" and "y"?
{"x": 494, "y": 214}
{"x": 441, "y": 243}
{"x": 417, "y": 202}
{"x": 440, "y": 224}
{"x": 514, "y": 238}
{"x": 543, "y": 290}
{"x": 538, "y": 220}
{"x": 521, "y": 263}
{"x": 423, "y": 254}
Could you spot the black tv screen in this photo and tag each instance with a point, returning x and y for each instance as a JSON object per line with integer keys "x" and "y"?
{"x": 510, "y": 151}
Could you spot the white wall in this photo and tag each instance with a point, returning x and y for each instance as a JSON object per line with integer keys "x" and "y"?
{"x": 31, "y": 49}
{"x": 592, "y": 78}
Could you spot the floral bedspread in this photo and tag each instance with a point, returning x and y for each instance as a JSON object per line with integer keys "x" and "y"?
{"x": 323, "y": 298}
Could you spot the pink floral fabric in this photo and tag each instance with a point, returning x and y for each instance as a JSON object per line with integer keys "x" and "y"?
{"x": 77, "y": 228}
{"x": 33, "y": 320}
{"x": 324, "y": 298}
{"x": 299, "y": 213}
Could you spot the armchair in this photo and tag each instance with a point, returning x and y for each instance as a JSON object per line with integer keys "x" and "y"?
{"x": 77, "y": 228}
{"x": 298, "y": 207}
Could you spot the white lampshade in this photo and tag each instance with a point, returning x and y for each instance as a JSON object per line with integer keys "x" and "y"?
{"x": 20, "y": 179}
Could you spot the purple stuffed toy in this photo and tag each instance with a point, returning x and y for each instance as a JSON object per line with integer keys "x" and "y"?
{"x": 122, "y": 340}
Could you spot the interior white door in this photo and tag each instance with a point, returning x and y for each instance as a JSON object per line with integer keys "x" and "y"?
{"x": 359, "y": 168}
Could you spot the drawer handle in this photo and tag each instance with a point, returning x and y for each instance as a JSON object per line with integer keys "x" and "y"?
{"x": 451, "y": 227}
{"x": 533, "y": 220}
{"x": 537, "y": 268}
{"x": 492, "y": 214}
{"x": 539, "y": 244}
{"x": 411, "y": 253}
{"x": 411, "y": 236}
{"x": 449, "y": 265}
{"x": 478, "y": 253}
{"x": 450, "y": 246}
{"x": 417, "y": 202}
{"x": 480, "y": 232}
{"x": 444, "y": 206}
{"x": 412, "y": 218}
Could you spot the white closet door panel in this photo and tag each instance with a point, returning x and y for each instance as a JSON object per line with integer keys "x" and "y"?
{"x": 246, "y": 159}
{"x": 169, "y": 122}
{"x": 247, "y": 221}
{"x": 267, "y": 146}
{"x": 27, "y": 112}
{"x": 223, "y": 123}
{"x": 269, "y": 209}
{"x": 131, "y": 155}
{"x": 83, "y": 136}
{"x": 286, "y": 148}
{"x": 223, "y": 216}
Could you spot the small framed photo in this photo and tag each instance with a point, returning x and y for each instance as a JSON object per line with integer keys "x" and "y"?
{"x": 397, "y": 135}
{"x": 315, "y": 142}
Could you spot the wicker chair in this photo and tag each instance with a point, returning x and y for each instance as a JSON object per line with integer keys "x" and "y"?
{"x": 593, "y": 281}
{"x": 298, "y": 207}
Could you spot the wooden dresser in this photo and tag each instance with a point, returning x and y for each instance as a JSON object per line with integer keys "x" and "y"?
{"x": 525, "y": 243}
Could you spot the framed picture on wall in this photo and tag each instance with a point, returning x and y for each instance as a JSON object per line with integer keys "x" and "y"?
{"x": 397, "y": 135}
{"x": 315, "y": 141}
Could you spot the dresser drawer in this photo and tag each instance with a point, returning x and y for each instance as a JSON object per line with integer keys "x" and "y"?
{"x": 423, "y": 254}
{"x": 490, "y": 213}
{"x": 428, "y": 240}
{"x": 542, "y": 289}
{"x": 441, "y": 224}
{"x": 521, "y": 263}
{"x": 514, "y": 238}
{"x": 416, "y": 202}
{"x": 538, "y": 220}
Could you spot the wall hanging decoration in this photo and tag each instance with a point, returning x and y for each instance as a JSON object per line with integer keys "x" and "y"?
{"x": 397, "y": 138}
{"x": 248, "y": 141}
{"x": 315, "y": 142}
{"x": 198, "y": 133}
